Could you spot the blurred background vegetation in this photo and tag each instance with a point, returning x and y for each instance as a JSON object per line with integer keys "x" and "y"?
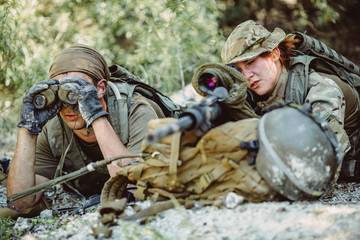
{"x": 161, "y": 41}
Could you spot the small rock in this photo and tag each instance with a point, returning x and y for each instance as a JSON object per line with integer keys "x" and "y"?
{"x": 232, "y": 200}
{"x": 47, "y": 213}
{"x": 23, "y": 224}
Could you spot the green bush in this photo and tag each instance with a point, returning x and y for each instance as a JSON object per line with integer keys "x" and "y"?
{"x": 161, "y": 41}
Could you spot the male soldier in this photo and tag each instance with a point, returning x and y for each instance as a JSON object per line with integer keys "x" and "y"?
{"x": 75, "y": 133}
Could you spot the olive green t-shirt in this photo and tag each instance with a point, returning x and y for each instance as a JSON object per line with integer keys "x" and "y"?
{"x": 56, "y": 137}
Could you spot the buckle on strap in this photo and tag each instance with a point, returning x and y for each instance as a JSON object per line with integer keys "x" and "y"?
{"x": 253, "y": 148}
{"x": 141, "y": 188}
{"x": 206, "y": 179}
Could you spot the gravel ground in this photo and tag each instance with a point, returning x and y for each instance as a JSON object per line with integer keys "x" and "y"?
{"x": 337, "y": 216}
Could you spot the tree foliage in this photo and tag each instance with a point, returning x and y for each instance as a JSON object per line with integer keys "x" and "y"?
{"x": 161, "y": 41}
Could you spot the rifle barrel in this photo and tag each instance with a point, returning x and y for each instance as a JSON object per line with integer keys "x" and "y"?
{"x": 62, "y": 179}
{"x": 182, "y": 124}
{"x": 197, "y": 117}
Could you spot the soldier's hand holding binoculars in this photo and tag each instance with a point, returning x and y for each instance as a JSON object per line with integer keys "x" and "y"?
{"x": 32, "y": 117}
{"x": 87, "y": 101}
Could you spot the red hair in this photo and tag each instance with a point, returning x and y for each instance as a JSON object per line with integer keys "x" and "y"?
{"x": 286, "y": 51}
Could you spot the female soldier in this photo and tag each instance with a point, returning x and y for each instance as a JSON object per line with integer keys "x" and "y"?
{"x": 271, "y": 66}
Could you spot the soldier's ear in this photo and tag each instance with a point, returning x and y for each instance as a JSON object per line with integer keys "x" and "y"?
{"x": 101, "y": 88}
{"x": 275, "y": 54}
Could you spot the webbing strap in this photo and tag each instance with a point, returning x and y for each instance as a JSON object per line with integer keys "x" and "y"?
{"x": 60, "y": 166}
{"x": 141, "y": 188}
{"x": 137, "y": 172}
{"x": 202, "y": 151}
{"x": 175, "y": 149}
{"x": 174, "y": 157}
{"x": 157, "y": 162}
{"x": 120, "y": 121}
{"x": 206, "y": 179}
{"x": 167, "y": 194}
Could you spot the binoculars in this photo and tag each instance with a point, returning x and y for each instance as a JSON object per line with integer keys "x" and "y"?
{"x": 47, "y": 97}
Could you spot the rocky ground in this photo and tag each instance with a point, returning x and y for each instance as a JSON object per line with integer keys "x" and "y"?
{"x": 337, "y": 216}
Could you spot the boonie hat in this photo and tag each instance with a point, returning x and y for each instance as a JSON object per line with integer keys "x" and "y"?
{"x": 248, "y": 40}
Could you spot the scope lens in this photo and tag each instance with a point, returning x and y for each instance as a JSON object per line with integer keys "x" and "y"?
{"x": 208, "y": 81}
{"x": 211, "y": 82}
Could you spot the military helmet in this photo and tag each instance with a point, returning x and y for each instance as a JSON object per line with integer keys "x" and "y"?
{"x": 299, "y": 156}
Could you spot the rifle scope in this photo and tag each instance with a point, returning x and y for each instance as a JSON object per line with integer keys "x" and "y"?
{"x": 198, "y": 117}
{"x": 208, "y": 81}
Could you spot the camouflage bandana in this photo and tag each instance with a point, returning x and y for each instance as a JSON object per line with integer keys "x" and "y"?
{"x": 80, "y": 58}
{"x": 248, "y": 40}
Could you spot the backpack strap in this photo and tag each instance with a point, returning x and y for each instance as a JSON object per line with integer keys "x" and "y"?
{"x": 298, "y": 80}
{"x": 119, "y": 98}
{"x": 299, "y": 68}
{"x": 122, "y": 86}
{"x": 118, "y": 107}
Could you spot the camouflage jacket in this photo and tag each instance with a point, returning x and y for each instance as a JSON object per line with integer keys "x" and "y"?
{"x": 324, "y": 95}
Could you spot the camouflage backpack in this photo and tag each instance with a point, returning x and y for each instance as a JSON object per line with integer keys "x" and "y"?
{"x": 318, "y": 56}
{"x": 258, "y": 159}
{"x": 191, "y": 169}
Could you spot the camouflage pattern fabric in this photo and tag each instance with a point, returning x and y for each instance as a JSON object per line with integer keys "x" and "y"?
{"x": 326, "y": 99}
{"x": 328, "y": 102}
{"x": 326, "y": 95}
{"x": 248, "y": 40}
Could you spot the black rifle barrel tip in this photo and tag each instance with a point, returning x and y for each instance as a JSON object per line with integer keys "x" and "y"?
{"x": 152, "y": 138}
